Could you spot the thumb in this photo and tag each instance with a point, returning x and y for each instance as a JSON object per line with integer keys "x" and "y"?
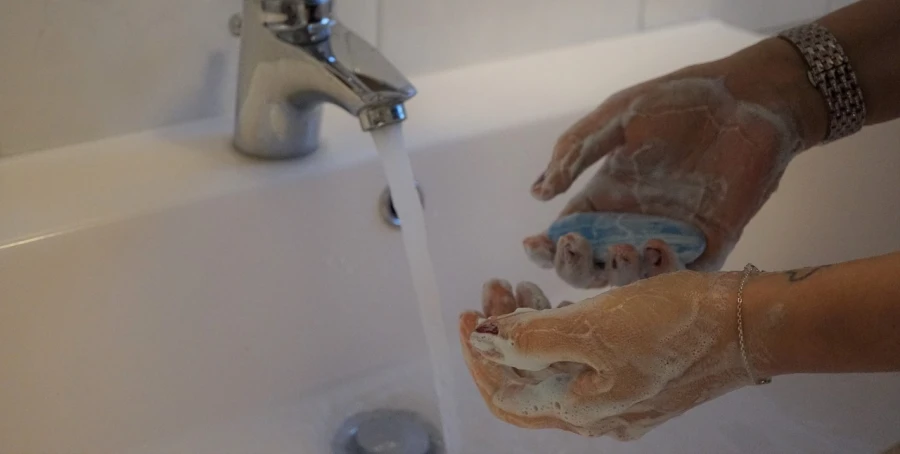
{"x": 531, "y": 340}
{"x": 579, "y": 148}
{"x": 584, "y": 143}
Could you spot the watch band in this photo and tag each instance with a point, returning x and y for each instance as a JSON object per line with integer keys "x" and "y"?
{"x": 830, "y": 72}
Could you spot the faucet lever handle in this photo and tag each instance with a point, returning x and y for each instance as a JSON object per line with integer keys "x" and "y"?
{"x": 303, "y": 21}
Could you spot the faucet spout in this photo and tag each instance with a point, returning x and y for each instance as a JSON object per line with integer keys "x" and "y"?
{"x": 372, "y": 88}
{"x": 288, "y": 69}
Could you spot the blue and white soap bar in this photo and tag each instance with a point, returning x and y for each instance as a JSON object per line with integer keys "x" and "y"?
{"x": 603, "y": 230}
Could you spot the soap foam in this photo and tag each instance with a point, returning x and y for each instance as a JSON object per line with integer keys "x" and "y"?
{"x": 699, "y": 194}
{"x": 692, "y": 358}
{"x": 690, "y": 364}
{"x": 505, "y": 352}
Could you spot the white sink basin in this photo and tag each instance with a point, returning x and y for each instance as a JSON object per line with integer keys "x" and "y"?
{"x": 161, "y": 294}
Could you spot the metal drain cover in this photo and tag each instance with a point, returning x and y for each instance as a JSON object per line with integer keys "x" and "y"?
{"x": 386, "y": 206}
{"x": 385, "y": 432}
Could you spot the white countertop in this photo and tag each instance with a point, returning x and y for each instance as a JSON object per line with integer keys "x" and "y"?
{"x": 53, "y": 191}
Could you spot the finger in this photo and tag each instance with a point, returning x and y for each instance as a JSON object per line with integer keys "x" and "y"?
{"x": 558, "y": 397}
{"x": 529, "y": 295}
{"x": 582, "y": 145}
{"x": 490, "y": 377}
{"x": 545, "y": 398}
{"x": 487, "y": 375}
{"x": 534, "y": 340}
{"x": 658, "y": 258}
{"x": 497, "y": 298}
{"x": 568, "y": 368}
{"x": 540, "y": 249}
{"x": 624, "y": 265}
{"x": 565, "y": 368}
{"x": 574, "y": 262}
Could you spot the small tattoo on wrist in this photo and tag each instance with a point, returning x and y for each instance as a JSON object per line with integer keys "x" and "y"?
{"x": 804, "y": 273}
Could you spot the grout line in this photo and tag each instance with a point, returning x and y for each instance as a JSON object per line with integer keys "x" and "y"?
{"x": 642, "y": 15}
{"x": 379, "y": 24}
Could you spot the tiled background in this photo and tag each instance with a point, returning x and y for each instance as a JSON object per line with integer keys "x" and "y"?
{"x": 76, "y": 70}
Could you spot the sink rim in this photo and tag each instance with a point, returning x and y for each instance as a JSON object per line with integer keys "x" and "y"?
{"x": 85, "y": 184}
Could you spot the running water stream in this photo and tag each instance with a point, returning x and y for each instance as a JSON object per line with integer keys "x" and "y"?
{"x": 389, "y": 142}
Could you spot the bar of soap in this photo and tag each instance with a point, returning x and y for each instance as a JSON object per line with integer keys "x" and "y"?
{"x": 603, "y": 230}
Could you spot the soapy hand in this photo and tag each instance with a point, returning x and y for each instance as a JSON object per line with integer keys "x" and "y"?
{"x": 618, "y": 364}
{"x": 706, "y": 145}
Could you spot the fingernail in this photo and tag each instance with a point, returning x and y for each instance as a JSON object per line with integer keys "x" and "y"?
{"x": 488, "y": 327}
{"x": 655, "y": 256}
{"x": 540, "y": 180}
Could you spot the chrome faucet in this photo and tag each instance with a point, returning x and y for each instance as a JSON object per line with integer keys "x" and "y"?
{"x": 294, "y": 56}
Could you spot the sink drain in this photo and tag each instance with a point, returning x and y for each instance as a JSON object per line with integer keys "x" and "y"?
{"x": 387, "y": 432}
{"x": 387, "y": 210}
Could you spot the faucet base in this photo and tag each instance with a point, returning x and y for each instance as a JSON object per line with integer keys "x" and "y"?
{"x": 279, "y": 131}
{"x": 295, "y": 56}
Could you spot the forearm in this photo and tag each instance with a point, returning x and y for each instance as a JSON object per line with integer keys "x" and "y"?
{"x": 840, "y": 318}
{"x": 869, "y": 32}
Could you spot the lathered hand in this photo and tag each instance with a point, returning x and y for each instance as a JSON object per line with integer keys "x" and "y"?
{"x": 619, "y": 364}
{"x": 706, "y": 145}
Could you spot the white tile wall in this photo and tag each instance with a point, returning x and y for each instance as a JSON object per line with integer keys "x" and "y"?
{"x": 426, "y": 35}
{"x": 77, "y": 70}
{"x": 658, "y": 13}
{"x": 360, "y": 15}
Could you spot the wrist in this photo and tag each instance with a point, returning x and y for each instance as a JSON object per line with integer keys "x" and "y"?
{"x": 773, "y": 74}
{"x": 768, "y": 335}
